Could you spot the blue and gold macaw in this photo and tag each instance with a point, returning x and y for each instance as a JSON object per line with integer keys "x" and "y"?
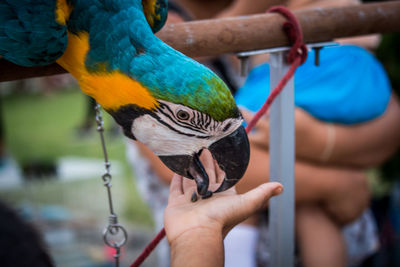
{"x": 169, "y": 102}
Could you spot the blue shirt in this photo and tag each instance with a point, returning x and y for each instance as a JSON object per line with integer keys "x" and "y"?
{"x": 350, "y": 86}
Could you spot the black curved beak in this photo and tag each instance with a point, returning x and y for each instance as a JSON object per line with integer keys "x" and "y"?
{"x": 232, "y": 154}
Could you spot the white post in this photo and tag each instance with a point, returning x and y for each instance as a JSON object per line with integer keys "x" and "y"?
{"x": 282, "y": 157}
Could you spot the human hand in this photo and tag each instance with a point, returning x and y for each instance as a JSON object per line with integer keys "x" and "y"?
{"x": 216, "y": 215}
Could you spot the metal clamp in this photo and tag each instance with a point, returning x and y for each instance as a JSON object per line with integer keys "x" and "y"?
{"x": 244, "y": 56}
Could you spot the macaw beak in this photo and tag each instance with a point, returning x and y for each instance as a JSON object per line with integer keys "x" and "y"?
{"x": 232, "y": 154}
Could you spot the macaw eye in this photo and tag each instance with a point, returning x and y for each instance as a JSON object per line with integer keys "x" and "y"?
{"x": 182, "y": 115}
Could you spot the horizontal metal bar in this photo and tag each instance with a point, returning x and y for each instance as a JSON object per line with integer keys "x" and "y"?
{"x": 246, "y": 33}
{"x": 282, "y": 48}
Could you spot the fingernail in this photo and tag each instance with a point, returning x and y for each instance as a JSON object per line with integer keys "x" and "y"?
{"x": 278, "y": 190}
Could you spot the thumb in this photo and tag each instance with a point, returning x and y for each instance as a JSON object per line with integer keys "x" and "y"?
{"x": 258, "y": 197}
{"x": 251, "y": 202}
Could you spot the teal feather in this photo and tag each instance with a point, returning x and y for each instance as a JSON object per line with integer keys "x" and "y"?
{"x": 122, "y": 40}
{"x": 29, "y": 33}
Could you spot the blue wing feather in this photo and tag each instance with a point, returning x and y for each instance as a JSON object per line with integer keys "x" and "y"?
{"x": 29, "y": 32}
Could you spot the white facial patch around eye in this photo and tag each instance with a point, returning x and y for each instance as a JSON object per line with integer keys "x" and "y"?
{"x": 165, "y": 134}
{"x": 197, "y": 122}
{"x": 163, "y": 141}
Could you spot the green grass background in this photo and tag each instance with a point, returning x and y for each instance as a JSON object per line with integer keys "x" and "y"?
{"x": 43, "y": 128}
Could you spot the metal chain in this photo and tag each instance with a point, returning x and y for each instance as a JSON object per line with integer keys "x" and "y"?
{"x": 113, "y": 228}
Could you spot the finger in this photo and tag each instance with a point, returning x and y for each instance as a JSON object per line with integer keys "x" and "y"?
{"x": 208, "y": 163}
{"x": 189, "y": 187}
{"x": 247, "y": 114}
{"x": 251, "y": 202}
{"x": 261, "y": 134}
{"x": 187, "y": 184}
{"x": 219, "y": 173}
{"x": 258, "y": 197}
{"x": 266, "y": 114}
{"x": 175, "y": 189}
{"x": 262, "y": 124}
{"x": 260, "y": 138}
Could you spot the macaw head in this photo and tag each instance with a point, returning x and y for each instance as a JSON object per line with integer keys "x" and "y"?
{"x": 197, "y": 113}
{"x": 167, "y": 101}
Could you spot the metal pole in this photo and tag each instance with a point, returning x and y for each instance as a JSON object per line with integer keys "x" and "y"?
{"x": 281, "y": 216}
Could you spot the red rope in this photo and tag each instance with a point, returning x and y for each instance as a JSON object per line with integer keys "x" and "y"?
{"x": 274, "y": 93}
{"x": 150, "y": 247}
{"x": 296, "y": 56}
{"x": 294, "y": 32}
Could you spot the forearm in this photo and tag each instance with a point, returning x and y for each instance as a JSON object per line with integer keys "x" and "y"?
{"x": 343, "y": 192}
{"x": 197, "y": 248}
{"x": 313, "y": 182}
{"x": 362, "y": 145}
{"x": 374, "y": 141}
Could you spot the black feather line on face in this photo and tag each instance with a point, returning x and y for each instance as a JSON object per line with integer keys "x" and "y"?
{"x": 177, "y": 122}
{"x": 125, "y": 116}
{"x": 176, "y": 130}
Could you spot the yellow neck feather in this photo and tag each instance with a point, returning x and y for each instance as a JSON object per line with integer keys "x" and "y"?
{"x": 149, "y": 8}
{"x": 63, "y": 11}
{"x": 110, "y": 89}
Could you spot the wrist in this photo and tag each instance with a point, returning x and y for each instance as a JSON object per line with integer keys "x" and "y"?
{"x": 198, "y": 247}
{"x": 329, "y": 143}
{"x": 200, "y": 232}
{"x": 315, "y": 142}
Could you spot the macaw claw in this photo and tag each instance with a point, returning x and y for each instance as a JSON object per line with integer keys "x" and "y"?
{"x": 207, "y": 194}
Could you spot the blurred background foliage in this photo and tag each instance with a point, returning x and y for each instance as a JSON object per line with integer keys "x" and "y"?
{"x": 40, "y": 129}
{"x": 54, "y": 165}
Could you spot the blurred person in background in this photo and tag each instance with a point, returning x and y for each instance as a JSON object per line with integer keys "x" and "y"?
{"x": 20, "y": 243}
